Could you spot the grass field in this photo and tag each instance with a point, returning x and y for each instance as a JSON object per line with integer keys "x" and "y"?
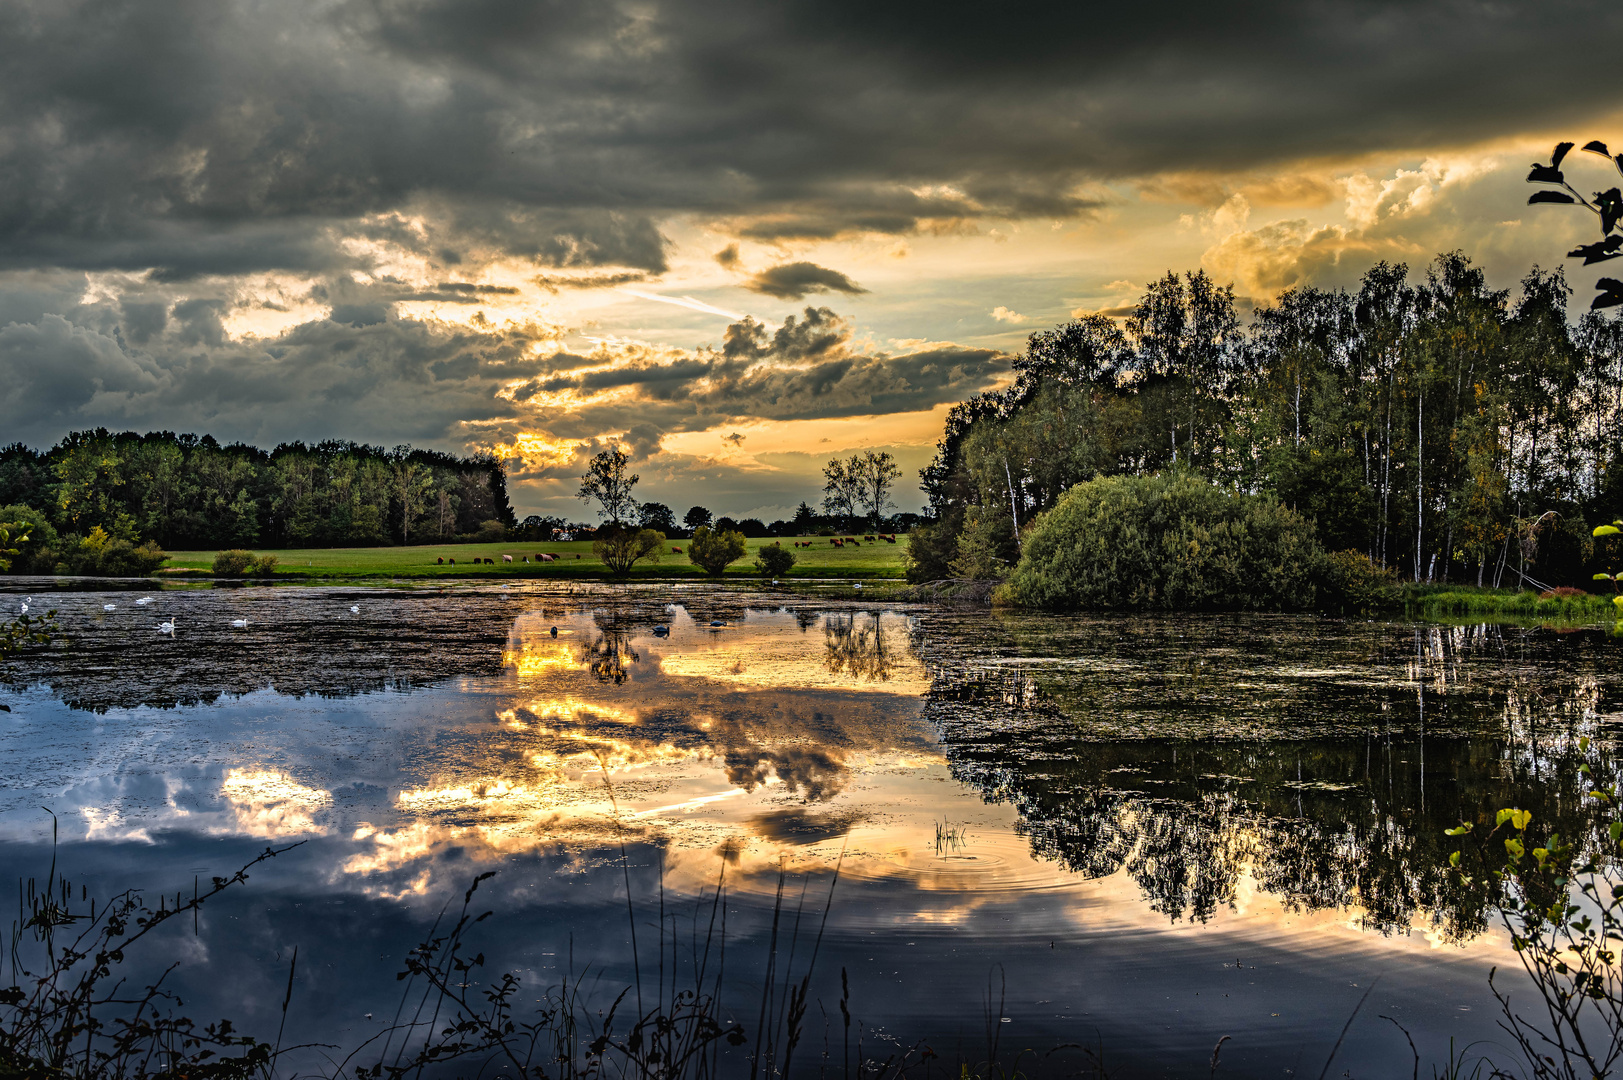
{"x": 821, "y": 560}
{"x": 1453, "y": 602}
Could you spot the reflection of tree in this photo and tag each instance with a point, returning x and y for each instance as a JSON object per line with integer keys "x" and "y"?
{"x": 1215, "y": 787}
{"x": 607, "y": 656}
{"x": 854, "y": 644}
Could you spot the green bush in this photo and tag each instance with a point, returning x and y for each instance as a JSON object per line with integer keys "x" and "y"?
{"x": 619, "y": 549}
{"x": 101, "y": 555}
{"x": 235, "y": 562}
{"x": 38, "y": 554}
{"x": 774, "y": 560}
{"x": 1354, "y": 584}
{"x": 715, "y": 550}
{"x": 1171, "y": 542}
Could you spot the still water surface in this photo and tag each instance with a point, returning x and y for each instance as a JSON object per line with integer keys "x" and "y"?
{"x": 1138, "y": 833}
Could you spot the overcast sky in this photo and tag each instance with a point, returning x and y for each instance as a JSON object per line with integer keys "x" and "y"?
{"x": 737, "y": 238}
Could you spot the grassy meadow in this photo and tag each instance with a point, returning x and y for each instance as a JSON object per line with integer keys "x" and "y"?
{"x": 822, "y": 560}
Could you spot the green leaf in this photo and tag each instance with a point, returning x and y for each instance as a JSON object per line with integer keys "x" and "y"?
{"x": 1602, "y": 577}
{"x": 1454, "y": 859}
{"x": 1616, "y": 829}
{"x": 1605, "y": 530}
{"x": 1518, "y": 818}
{"x": 1514, "y": 848}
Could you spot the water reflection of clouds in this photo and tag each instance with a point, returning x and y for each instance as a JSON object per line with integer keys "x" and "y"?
{"x": 1196, "y": 760}
{"x": 694, "y": 738}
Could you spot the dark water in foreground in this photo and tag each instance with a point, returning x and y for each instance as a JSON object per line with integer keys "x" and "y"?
{"x": 1138, "y": 833}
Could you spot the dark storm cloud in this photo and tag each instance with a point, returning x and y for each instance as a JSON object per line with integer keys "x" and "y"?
{"x": 202, "y": 137}
{"x": 794, "y": 281}
{"x": 360, "y": 374}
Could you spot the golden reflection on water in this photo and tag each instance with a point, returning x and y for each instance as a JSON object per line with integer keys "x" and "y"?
{"x": 769, "y": 734}
{"x": 270, "y": 803}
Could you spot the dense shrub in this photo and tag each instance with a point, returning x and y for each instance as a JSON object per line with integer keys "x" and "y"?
{"x": 715, "y": 549}
{"x": 620, "y": 548}
{"x": 774, "y": 560}
{"x": 1353, "y": 584}
{"x": 235, "y": 562}
{"x": 1171, "y": 542}
{"x": 39, "y": 553}
{"x": 101, "y": 555}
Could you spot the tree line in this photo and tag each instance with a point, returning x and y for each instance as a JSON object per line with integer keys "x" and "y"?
{"x": 1444, "y": 429}
{"x": 190, "y": 492}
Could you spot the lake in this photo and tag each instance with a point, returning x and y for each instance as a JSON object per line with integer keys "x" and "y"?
{"x": 1139, "y": 834}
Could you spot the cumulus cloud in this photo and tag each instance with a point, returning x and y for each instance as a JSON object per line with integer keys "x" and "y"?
{"x": 1003, "y": 314}
{"x": 794, "y": 281}
{"x": 1406, "y": 216}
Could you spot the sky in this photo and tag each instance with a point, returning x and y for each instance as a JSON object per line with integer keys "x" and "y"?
{"x": 736, "y": 239}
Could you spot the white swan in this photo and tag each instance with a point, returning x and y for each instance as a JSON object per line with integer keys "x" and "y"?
{"x": 354, "y": 609}
{"x": 167, "y": 627}
{"x": 144, "y": 601}
{"x": 240, "y": 624}
{"x": 109, "y": 607}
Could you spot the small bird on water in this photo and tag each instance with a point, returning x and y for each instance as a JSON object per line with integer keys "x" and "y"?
{"x": 354, "y": 609}
{"x": 109, "y": 607}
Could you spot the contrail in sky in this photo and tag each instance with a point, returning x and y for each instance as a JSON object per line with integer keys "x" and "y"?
{"x": 684, "y": 301}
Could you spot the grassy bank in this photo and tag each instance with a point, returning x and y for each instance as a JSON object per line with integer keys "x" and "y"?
{"x": 821, "y": 560}
{"x": 1439, "y": 601}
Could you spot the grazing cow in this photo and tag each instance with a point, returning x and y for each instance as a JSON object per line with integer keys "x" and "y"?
{"x": 543, "y": 558}
{"x": 440, "y": 562}
{"x": 577, "y": 556}
{"x": 507, "y": 558}
{"x": 676, "y": 551}
{"x": 453, "y": 561}
{"x": 890, "y": 539}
